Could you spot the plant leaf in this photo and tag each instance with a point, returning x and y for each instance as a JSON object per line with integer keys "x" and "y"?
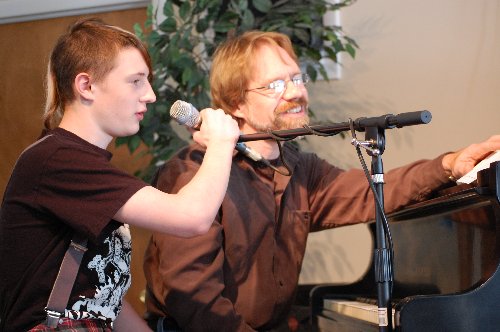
{"x": 134, "y": 143}
{"x": 312, "y": 72}
{"x": 262, "y": 6}
{"x": 185, "y": 10}
{"x": 168, "y": 25}
{"x": 351, "y": 50}
{"x": 247, "y": 21}
{"x": 168, "y": 9}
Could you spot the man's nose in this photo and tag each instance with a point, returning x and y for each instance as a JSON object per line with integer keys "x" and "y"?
{"x": 293, "y": 91}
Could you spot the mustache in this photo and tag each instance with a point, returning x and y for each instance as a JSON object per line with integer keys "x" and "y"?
{"x": 289, "y": 105}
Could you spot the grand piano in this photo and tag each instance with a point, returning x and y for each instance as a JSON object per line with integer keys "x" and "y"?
{"x": 446, "y": 267}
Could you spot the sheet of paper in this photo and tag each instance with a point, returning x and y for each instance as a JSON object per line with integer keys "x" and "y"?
{"x": 485, "y": 163}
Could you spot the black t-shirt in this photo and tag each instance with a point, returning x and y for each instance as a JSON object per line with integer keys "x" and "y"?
{"x": 62, "y": 184}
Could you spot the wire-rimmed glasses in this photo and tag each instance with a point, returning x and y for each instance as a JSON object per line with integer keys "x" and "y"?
{"x": 278, "y": 86}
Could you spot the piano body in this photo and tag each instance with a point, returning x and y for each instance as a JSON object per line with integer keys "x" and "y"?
{"x": 446, "y": 267}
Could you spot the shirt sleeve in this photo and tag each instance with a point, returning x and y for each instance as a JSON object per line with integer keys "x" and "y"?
{"x": 186, "y": 275}
{"x": 341, "y": 197}
{"x": 83, "y": 190}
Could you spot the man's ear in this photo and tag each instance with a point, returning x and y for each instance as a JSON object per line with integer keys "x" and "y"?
{"x": 83, "y": 86}
{"x": 239, "y": 112}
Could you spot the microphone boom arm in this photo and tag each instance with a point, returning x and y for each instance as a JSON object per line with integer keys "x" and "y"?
{"x": 387, "y": 121}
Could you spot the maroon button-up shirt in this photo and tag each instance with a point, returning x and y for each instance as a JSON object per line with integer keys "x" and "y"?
{"x": 242, "y": 275}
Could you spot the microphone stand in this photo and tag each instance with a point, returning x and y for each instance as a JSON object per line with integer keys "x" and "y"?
{"x": 375, "y": 145}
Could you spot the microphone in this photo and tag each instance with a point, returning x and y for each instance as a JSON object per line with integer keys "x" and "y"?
{"x": 187, "y": 115}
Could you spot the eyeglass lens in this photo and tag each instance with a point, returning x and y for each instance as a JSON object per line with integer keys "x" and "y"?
{"x": 280, "y": 85}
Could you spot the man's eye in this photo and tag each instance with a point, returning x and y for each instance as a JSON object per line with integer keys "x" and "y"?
{"x": 278, "y": 85}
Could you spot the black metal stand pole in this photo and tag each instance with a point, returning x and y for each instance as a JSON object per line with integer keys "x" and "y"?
{"x": 382, "y": 254}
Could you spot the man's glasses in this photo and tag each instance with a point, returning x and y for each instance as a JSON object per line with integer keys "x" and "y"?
{"x": 278, "y": 86}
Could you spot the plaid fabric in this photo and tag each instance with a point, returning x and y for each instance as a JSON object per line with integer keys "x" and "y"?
{"x": 72, "y": 325}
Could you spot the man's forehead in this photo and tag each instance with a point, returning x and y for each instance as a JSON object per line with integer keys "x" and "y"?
{"x": 131, "y": 59}
{"x": 271, "y": 61}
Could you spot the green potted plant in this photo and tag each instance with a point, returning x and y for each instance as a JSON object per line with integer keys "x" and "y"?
{"x": 183, "y": 40}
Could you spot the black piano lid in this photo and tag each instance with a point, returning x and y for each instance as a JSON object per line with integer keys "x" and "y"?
{"x": 458, "y": 198}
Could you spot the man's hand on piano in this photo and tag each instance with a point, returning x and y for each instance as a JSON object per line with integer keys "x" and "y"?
{"x": 458, "y": 163}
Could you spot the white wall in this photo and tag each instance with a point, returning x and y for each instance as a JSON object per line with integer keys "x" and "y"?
{"x": 442, "y": 56}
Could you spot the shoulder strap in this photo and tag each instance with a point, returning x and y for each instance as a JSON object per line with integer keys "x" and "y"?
{"x": 59, "y": 296}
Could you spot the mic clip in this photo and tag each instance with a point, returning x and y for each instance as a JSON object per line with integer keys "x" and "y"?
{"x": 368, "y": 145}
{"x": 247, "y": 152}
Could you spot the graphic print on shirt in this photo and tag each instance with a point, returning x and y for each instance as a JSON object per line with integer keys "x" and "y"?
{"x": 113, "y": 272}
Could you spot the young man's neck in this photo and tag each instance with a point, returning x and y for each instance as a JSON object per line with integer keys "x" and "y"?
{"x": 74, "y": 122}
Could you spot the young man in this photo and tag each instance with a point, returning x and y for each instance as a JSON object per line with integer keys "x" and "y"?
{"x": 98, "y": 88}
{"x": 242, "y": 275}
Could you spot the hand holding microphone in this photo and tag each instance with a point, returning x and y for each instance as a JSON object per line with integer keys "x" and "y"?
{"x": 186, "y": 114}
{"x": 213, "y": 125}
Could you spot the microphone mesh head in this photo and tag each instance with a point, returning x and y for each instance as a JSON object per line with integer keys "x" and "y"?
{"x": 185, "y": 114}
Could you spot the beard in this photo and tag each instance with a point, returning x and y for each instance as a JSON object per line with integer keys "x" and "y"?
{"x": 280, "y": 122}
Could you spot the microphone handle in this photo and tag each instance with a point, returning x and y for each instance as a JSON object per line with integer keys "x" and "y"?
{"x": 388, "y": 121}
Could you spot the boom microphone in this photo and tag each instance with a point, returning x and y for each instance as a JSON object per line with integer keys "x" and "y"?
{"x": 387, "y": 121}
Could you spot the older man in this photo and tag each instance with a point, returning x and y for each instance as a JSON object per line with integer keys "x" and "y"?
{"x": 243, "y": 274}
